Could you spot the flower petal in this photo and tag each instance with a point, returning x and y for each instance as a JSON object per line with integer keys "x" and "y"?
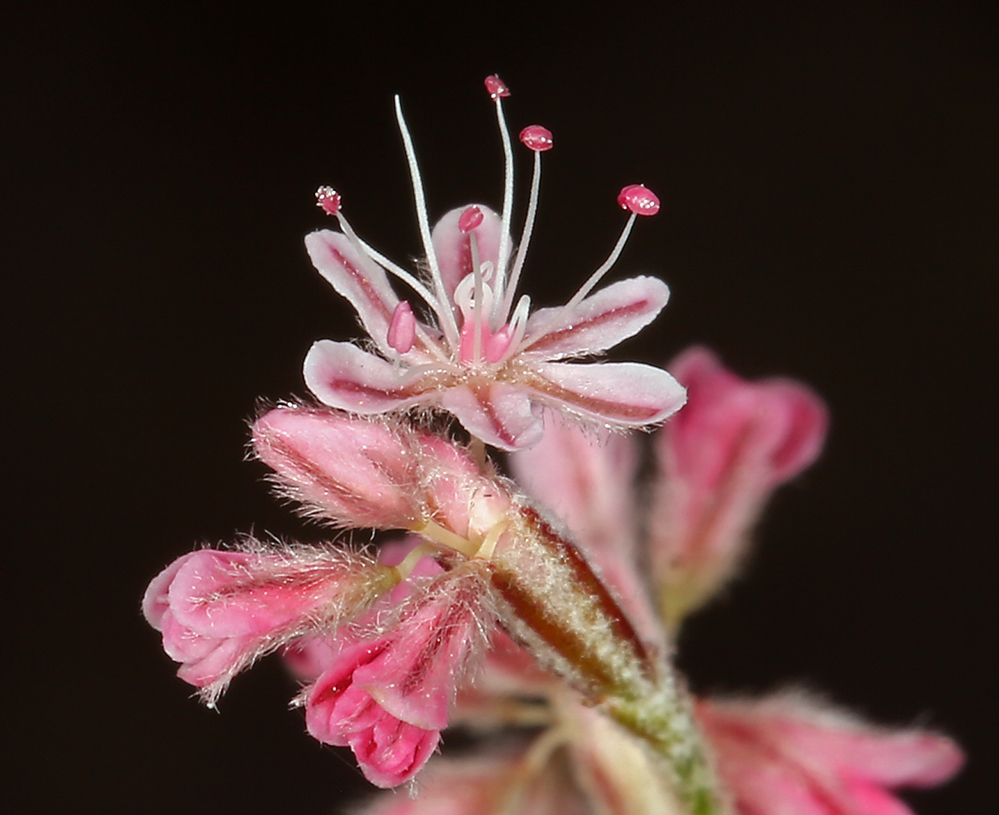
{"x": 344, "y": 376}
{"x": 453, "y": 247}
{"x": 618, "y": 394}
{"x": 500, "y": 414}
{"x": 357, "y": 278}
{"x": 599, "y": 322}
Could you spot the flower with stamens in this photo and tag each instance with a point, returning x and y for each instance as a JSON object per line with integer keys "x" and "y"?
{"x": 483, "y": 356}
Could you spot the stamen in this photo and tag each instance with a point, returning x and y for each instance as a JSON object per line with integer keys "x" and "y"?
{"x": 445, "y": 537}
{"x": 328, "y": 200}
{"x": 405, "y": 568}
{"x": 537, "y": 138}
{"x": 639, "y": 199}
{"x": 389, "y": 265}
{"x": 497, "y": 89}
{"x": 402, "y": 328}
{"x": 448, "y": 323}
{"x": 539, "y": 142}
{"x": 492, "y": 537}
{"x": 473, "y": 242}
{"x": 565, "y": 313}
{"x": 516, "y": 327}
{"x": 605, "y": 267}
{"x": 469, "y": 219}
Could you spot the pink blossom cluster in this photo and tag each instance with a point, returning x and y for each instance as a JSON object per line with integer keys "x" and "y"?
{"x": 545, "y": 604}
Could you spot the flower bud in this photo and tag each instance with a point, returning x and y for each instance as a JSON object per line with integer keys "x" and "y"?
{"x": 220, "y": 611}
{"x": 720, "y": 458}
{"x": 355, "y": 472}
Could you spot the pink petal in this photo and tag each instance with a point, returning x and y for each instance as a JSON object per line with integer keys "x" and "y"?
{"x": 358, "y": 279}
{"x": 452, "y": 246}
{"x": 500, "y": 414}
{"x": 354, "y": 471}
{"x": 586, "y": 481}
{"x": 391, "y": 753}
{"x": 618, "y": 394}
{"x": 156, "y": 601}
{"x": 786, "y": 754}
{"x": 343, "y": 376}
{"x": 600, "y": 321}
{"x": 777, "y": 424}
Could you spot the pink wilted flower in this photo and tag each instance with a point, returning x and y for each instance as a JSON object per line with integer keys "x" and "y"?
{"x": 387, "y": 697}
{"x": 219, "y": 611}
{"x": 720, "y": 459}
{"x": 786, "y": 755}
{"x": 484, "y": 356}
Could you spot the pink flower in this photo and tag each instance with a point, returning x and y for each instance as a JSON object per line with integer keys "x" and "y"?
{"x": 484, "y": 357}
{"x": 220, "y": 611}
{"x": 787, "y": 756}
{"x": 387, "y": 698}
{"x": 720, "y": 459}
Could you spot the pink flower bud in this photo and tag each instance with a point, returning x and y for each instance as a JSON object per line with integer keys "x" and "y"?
{"x": 720, "y": 458}
{"x": 355, "y": 472}
{"x": 388, "y": 698}
{"x": 786, "y": 754}
{"x": 220, "y": 611}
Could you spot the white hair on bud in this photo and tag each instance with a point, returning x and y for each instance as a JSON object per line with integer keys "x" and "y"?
{"x": 352, "y": 580}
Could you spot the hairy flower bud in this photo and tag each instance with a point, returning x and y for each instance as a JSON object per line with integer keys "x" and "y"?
{"x": 720, "y": 458}
{"x": 220, "y": 611}
{"x": 352, "y": 471}
{"x": 388, "y": 697}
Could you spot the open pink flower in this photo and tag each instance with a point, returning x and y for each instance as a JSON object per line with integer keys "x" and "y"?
{"x": 387, "y": 698}
{"x": 484, "y": 357}
{"x": 785, "y": 755}
{"x": 220, "y": 611}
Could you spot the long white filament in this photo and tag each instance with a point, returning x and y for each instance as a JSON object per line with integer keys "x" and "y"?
{"x": 477, "y": 306}
{"x": 389, "y": 265}
{"x": 448, "y": 323}
{"x": 605, "y": 267}
{"x": 504, "y": 244}
{"x": 506, "y": 301}
{"x": 565, "y": 313}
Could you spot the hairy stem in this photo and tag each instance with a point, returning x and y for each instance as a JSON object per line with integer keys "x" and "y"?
{"x": 563, "y": 613}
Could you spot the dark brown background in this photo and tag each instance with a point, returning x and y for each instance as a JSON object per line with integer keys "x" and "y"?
{"x": 830, "y": 180}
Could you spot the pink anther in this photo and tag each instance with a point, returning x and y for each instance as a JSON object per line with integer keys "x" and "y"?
{"x": 328, "y": 200}
{"x": 470, "y": 219}
{"x": 497, "y": 87}
{"x": 537, "y": 138}
{"x": 402, "y": 328}
{"x": 639, "y": 199}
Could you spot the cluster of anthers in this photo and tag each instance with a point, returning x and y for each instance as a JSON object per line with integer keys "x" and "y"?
{"x": 551, "y": 580}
